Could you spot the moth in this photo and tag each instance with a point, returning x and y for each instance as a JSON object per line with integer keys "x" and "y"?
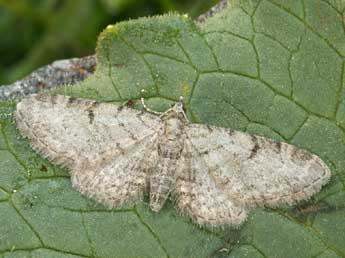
{"x": 116, "y": 155}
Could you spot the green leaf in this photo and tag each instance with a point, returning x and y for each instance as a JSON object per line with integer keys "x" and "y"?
{"x": 273, "y": 68}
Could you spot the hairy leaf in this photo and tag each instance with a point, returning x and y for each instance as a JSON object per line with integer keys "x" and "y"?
{"x": 269, "y": 67}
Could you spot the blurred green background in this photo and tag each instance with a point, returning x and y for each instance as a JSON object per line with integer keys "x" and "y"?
{"x": 36, "y": 32}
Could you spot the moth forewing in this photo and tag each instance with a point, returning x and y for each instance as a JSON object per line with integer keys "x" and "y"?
{"x": 116, "y": 154}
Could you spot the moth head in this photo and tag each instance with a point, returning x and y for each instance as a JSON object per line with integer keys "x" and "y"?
{"x": 178, "y": 110}
{"x": 178, "y": 107}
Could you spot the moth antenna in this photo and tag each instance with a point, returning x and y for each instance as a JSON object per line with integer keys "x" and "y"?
{"x": 148, "y": 109}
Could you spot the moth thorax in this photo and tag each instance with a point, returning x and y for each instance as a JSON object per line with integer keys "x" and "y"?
{"x": 173, "y": 128}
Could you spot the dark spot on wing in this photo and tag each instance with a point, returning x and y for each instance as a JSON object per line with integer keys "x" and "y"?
{"x": 205, "y": 152}
{"x": 41, "y": 85}
{"x": 299, "y": 154}
{"x": 256, "y": 147}
{"x": 95, "y": 104}
{"x": 119, "y": 147}
{"x": 254, "y": 150}
{"x": 230, "y": 132}
{"x": 91, "y": 115}
{"x": 130, "y": 103}
{"x": 209, "y": 128}
{"x": 275, "y": 145}
{"x": 278, "y": 146}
